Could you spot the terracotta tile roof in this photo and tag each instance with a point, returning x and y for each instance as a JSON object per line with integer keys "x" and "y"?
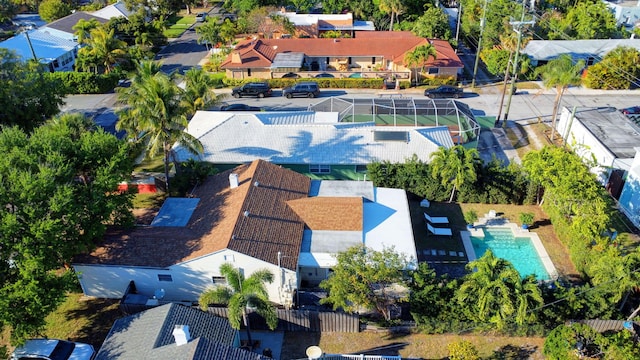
{"x": 330, "y": 213}
{"x": 391, "y": 45}
{"x": 218, "y": 222}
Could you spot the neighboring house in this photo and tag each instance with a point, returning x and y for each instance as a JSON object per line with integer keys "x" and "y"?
{"x": 52, "y": 47}
{"x": 604, "y": 136}
{"x": 591, "y": 51}
{"x": 173, "y": 331}
{"x": 67, "y": 23}
{"x": 314, "y": 25}
{"x": 630, "y": 197}
{"x": 255, "y": 216}
{"x": 116, "y": 10}
{"x": 370, "y": 53}
{"x": 627, "y": 12}
{"x": 308, "y": 141}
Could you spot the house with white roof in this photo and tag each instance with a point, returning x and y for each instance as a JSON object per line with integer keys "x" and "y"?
{"x": 630, "y": 196}
{"x": 116, "y": 10}
{"x": 591, "y": 50}
{"x": 314, "y": 25}
{"x": 57, "y": 49}
{"x": 604, "y": 136}
{"x": 308, "y": 141}
{"x": 255, "y": 216}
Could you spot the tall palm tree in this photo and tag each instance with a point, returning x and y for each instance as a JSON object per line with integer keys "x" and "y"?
{"x": 456, "y": 166}
{"x": 199, "y": 93}
{"x": 494, "y": 292}
{"x": 83, "y": 29}
{"x": 155, "y": 113}
{"x": 419, "y": 56}
{"x": 560, "y": 73}
{"x": 241, "y": 293}
{"x": 104, "y": 48}
{"x": 392, "y": 7}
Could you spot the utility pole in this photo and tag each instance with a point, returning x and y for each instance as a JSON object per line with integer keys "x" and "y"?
{"x": 517, "y": 27}
{"x": 458, "y": 24}
{"x": 482, "y": 21}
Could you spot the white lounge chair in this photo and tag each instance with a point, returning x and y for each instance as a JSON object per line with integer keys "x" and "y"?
{"x": 436, "y": 219}
{"x": 439, "y": 231}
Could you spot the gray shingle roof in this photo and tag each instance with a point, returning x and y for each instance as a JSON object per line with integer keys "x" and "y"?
{"x": 148, "y": 335}
{"x": 67, "y": 23}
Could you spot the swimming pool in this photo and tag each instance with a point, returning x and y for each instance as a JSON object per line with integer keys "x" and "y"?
{"x": 518, "y": 250}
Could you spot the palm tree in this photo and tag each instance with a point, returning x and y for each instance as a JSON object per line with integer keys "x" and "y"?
{"x": 83, "y": 29}
{"x": 560, "y": 73}
{"x": 392, "y": 7}
{"x": 456, "y": 166}
{"x": 419, "y": 56}
{"x": 241, "y": 293}
{"x": 104, "y": 48}
{"x": 199, "y": 93}
{"x": 495, "y": 293}
{"x": 155, "y": 113}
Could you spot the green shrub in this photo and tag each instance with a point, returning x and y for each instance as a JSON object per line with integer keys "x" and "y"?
{"x": 86, "y": 83}
{"x": 462, "y": 350}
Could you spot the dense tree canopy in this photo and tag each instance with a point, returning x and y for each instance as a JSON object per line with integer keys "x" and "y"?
{"x": 51, "y": 10}
{"x": 57, "y": 190}
{"x": 369, "y": 279}
{"x": 27, "y": 95}
{"x": 619, "y": 69}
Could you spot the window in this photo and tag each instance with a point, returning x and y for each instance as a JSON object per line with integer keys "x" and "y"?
{"x": 165, "y": 277}
{"x": 319, "y": 169}
{"x": 373, "y": 61}
{"x": 219, "y": 280}
{"x": 229, "y": 258}
{"x": 433, "y": 71}
{"x": 248, "y": 72}
{"x": 361, "y": 168}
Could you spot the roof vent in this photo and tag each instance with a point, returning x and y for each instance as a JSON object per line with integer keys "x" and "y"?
{"x": 181, "y": 334}
{"x": 336, "y": 40}
{"x": 247, "y": 213}
{"x": 256, "y": 184}
{"x": 233, "y": 180}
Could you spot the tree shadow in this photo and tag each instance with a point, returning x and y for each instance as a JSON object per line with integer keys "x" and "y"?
{"x": 513, "y": 352}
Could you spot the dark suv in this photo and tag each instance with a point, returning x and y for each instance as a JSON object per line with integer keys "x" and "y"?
{"x": 259, "y": 89}
{"x": 306, "y": 89}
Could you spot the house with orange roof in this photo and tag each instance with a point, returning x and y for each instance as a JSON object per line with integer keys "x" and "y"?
{"x": 370, "y": 54}
{"x": 254, "y": 216}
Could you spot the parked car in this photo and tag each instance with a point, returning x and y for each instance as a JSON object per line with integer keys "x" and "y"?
{"x": 634, "y": 110}
{"x": 444, "y": 91}
{"x": 239, "y": 107}
{"x": 290, "y": 76}
{"x": 201, "y": 17}
{"x": 324, "y": 75}
{"x": 51, "y": 349}
{"x": 259, "y": 89}
{"x": 304, "y": 89}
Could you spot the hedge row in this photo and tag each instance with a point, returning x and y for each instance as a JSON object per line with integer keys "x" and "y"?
{"x": 339, "y": 83}
{"x": 86, "y": 83}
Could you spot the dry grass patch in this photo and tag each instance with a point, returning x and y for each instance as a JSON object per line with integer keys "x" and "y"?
{"x": 410, "y": 345}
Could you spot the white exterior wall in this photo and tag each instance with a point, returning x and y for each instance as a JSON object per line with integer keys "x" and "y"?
{"x": 630, "y": 196}
{"x": 583, "y": 143}
{"x": 189, "y": 279}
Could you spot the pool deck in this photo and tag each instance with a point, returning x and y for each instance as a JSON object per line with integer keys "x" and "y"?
{"x": 492, "y": 220}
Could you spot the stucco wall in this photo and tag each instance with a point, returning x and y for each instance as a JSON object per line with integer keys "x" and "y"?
{"x": 189, "y": 279}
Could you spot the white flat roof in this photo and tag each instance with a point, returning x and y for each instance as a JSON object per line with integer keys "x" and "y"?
{"x": 387, "y": 223}
{"x": 305, "y": 138}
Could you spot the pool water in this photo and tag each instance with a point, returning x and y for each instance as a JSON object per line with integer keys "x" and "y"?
{"x": 519, "y": 251}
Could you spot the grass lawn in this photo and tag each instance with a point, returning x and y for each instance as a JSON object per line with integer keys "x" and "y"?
{"x": 178, "y": 24}
{"x": 410, "y": 345}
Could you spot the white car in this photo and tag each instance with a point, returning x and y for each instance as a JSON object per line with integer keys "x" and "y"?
{"x": 51, "y": 349}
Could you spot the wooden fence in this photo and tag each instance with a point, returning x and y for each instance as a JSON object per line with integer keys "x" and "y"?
{"x": 302, "y": 320}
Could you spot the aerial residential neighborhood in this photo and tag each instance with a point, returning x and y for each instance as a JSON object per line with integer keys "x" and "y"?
{"x": 320, "y": 180}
